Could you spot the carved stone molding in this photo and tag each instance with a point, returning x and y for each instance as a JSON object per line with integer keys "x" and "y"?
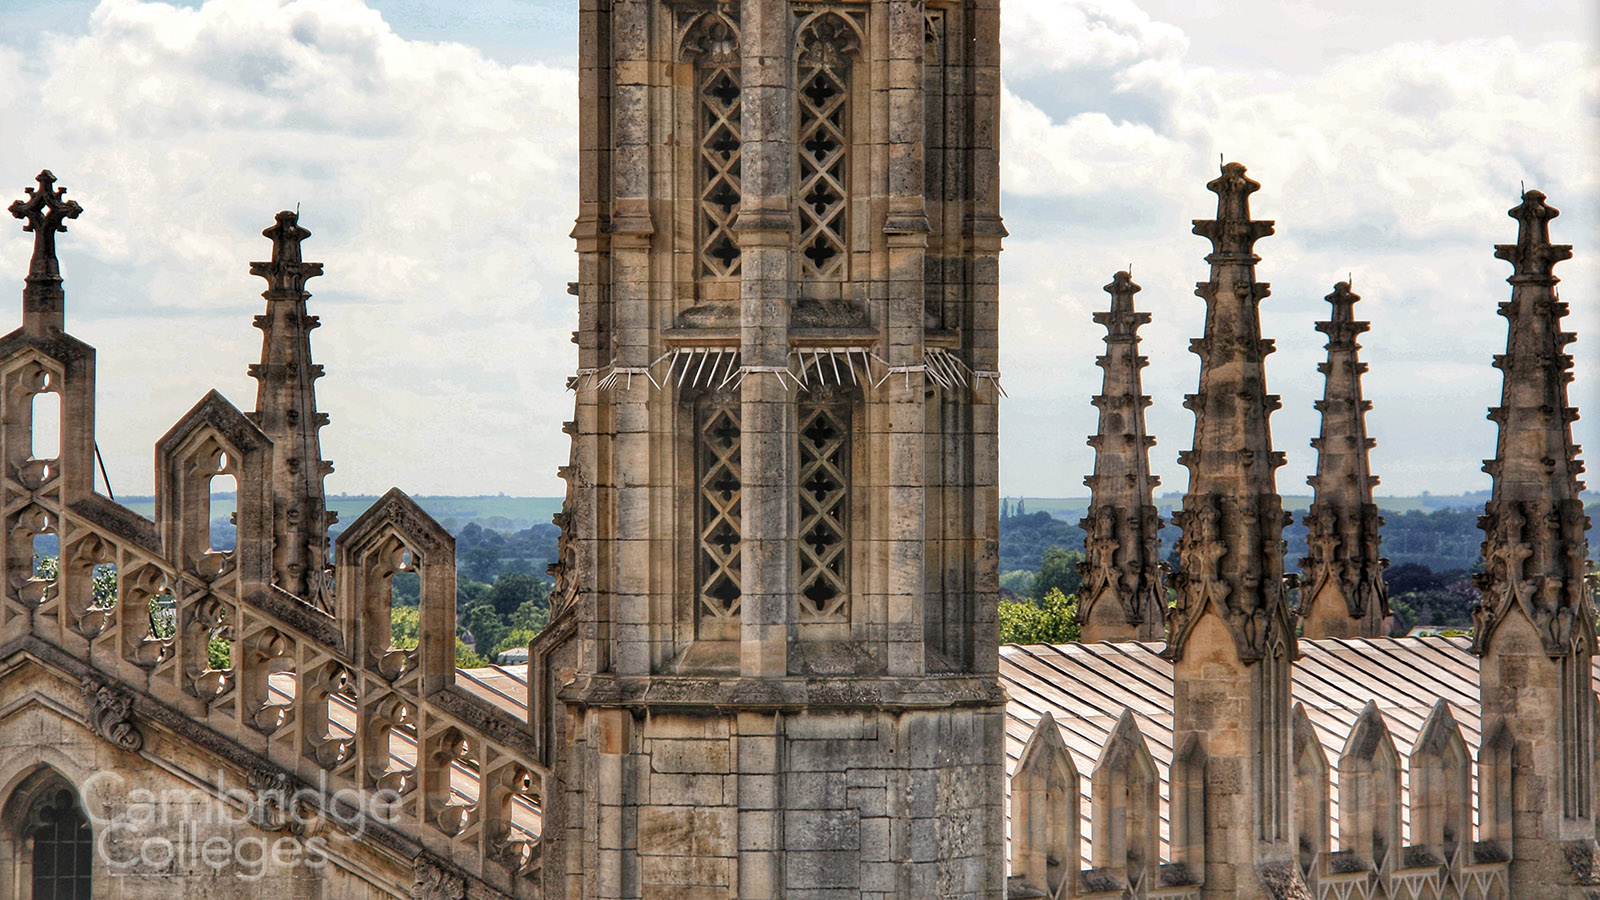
{"x": 432, "y": 881}
{"x": 110, "y": 714}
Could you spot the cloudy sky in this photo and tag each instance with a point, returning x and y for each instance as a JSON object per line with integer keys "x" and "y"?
{"x": 431, "y": 152}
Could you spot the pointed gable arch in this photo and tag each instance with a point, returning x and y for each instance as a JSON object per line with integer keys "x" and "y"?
{"x": 396, "y": 535}
{"x": 1369, "y": 790}
{"x": 1044, "y": 810}
{"x": 1441, "y": 785}
{"x": 1125, "y": 793}
{"x": 1495, "y": 776}
{"x": 58, "y": 364}
{"x": 1312, "y": 822}
{"x": 214, "y": 438}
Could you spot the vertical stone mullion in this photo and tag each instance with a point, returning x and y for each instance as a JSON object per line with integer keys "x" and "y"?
{"x": 631, "y": 279}
{"x": 765, "y": 227}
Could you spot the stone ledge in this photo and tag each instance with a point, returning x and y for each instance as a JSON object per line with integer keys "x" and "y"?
{"x": 786, "y": 694}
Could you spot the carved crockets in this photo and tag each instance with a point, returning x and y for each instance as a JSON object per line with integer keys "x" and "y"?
{"x": 1231, "y": 552}
{"x": 286, "y": 411}
{"x": 1535, "y": 550}
{"x": 1343, "y": 594}
{"x": 1122, "y": 596}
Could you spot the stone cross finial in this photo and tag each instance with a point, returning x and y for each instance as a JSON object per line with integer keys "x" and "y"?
{"x": 286, "y": 271}
{"x": 46, "y": 213}
{"x": 1533, "y": 255}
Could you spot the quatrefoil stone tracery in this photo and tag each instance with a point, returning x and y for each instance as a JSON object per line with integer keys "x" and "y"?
{"x": 721, "y": 139}
{"x": 719, "y": 525}
{"x": 822, "y": 145}
{"x": 823, "y": 502}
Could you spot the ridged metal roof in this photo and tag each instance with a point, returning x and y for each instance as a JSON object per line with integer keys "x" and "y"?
{"x": 1085, "y": 687}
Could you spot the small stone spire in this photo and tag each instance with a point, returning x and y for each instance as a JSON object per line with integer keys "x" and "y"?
{"x": 1122, "y": 596}
{"x": 286, "y": 409}
{"x": 1231, "y": 552}
{"x": 1535, "y": 552}
{"x": 1343, "y": 595}
{"x": 46, "y": 213}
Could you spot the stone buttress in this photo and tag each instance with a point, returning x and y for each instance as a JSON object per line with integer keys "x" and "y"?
{"x": 1230, "y": 633}
{"x": 1343, "y": 594}
{"x": 1123, "y": 596}
{"x": 770, "y": 668}
{"x": 1535, "y": 625}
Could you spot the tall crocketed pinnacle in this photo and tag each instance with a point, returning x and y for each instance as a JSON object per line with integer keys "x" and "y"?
{"x": 286, "y": 409}
{"x": 1343, "y": 594}
{"x": 1231, "y": 553}
{"x": 44, "y": 214}
{"x": 1535, "y": 550}
{"x": 1122, "y": 596}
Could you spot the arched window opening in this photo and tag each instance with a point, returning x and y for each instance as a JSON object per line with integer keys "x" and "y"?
{"x": 49, "y": 850}
{"x": 224, "y": 528}
{"x": 104, "y": 586}
{"x": 47, "y": 554}
{"x": 163, "y": 612}
{"x": 46, "y": 423}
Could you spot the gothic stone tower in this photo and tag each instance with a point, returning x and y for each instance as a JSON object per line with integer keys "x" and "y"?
{"x": 770, "y": 669}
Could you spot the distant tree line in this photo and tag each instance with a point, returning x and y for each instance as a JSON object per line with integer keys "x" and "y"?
{"x": 1433, "y": 554}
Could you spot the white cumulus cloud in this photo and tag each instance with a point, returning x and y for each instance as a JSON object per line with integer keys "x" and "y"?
{"x": 439, "y": 186}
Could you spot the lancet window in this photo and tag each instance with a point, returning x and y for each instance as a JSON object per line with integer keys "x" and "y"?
{"x": 824, "y": 508}
{"x": 718, "y": 526}
{"x": 822, "y": 143}
{"x": 714, "y": 47}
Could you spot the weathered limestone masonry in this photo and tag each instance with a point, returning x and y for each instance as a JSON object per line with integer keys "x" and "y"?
{"x": 1343, "y": 594}
{"x": 1123, "y": 596}
{"x": 308, "y": 707}
{"x": 1230, "y": 634}
{"x": 1535, "y": 626}
{"x": 770, "y": 669}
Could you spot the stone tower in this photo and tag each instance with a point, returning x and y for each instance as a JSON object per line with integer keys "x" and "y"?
{"x": 1123, "y": 596}
{"x": 1343, "y": 595}
{"x": 1230, "y": 635}
{"x": 1535, "y": 626}
{"x": 770, "y": 668}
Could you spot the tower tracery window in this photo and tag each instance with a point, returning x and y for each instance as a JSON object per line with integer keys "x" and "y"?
{"x": 717, "y": 519}
{"x": 714, "y": 46}
{"x": 822, "y": 144}
{"x": 823, "y": 502}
